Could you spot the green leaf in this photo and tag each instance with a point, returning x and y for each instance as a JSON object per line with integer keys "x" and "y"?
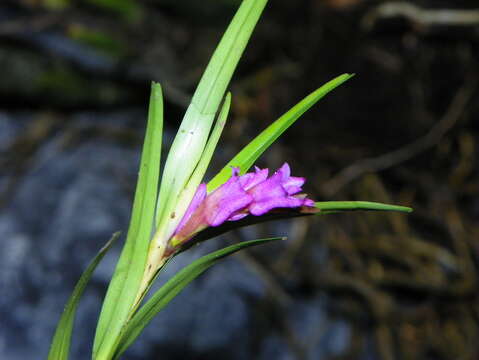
{"x": 326, "y": 207}
{"x": 250, "y": 153}
{"x": 60, "y": 346}
{"x": 337, "y": 206}
{"x": 190, "y": 141}
{"x": 177, "y": 283}
{"x": 122, "y": 292}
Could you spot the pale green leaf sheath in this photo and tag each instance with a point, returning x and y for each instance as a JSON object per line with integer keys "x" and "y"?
{"x": 60, "y": 346}
{"x": 119, "y": 302}
{"x": 185, "y": 198}
{"x": 197, "y": 176}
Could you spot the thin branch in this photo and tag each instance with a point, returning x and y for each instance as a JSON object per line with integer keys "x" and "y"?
{"x": 385, "y": 161}
{"x": 420, "y": 16}
{"x": 34, "y": 24}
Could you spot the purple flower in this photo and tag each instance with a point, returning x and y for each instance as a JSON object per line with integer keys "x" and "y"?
{"x": 250, "y": 194}
{"x": 277, "y": 192}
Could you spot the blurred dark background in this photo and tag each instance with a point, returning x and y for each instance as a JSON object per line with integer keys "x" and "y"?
{"x": 74, "y": 90}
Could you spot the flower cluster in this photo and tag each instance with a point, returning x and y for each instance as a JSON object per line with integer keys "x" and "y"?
{"x": 252, "y": 193}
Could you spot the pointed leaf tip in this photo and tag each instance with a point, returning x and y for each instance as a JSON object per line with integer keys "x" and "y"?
{"x": 336, "y": 206}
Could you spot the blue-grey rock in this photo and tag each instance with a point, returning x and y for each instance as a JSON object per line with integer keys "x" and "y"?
{"x": 275, "y": 347}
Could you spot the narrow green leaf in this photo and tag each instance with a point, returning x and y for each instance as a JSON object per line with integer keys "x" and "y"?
{"x": 177, "y": 283}
{"x": 191, "y": 139}
{"x": 123, "y": 288}
{"x": 326, "y": 207}
{"x": 336, "y": 206}
{"x": 60, "y": 346}
{"x": 250, "y": 153}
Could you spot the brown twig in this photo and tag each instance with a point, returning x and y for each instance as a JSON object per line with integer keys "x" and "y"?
{"x": 420, "y": 16}
{"x": 264, "y": 273}
{"x": 32, "y": 24}
{"x": 409, "y": 151}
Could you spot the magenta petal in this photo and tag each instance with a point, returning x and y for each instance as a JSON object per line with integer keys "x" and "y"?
{"x": 293, "y": 185}
{"x": 195, "y": 202}
{"x": 308, "y": 202}
{"x": 246, "y": 179}
{"x": 262, "y": 207}
{"x": 276, "y": 192}
{"x": 294, "y": 181}
{"x": 270, "y": 188}
{"x": 224, "y": 201}
{"x": 285, "y": 171}
{"x": 292, "y": 190}
{"x": 250, "y": 180}
{"x": 238, "y": 216}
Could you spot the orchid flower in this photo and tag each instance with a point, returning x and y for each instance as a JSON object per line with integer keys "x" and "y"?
{"x": 168, "y": 216}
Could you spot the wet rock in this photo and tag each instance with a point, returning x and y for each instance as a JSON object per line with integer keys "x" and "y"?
{"x": 275, "y": 347}
{"x": 64, "y": 208}
{"x": 320, "y": 336}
